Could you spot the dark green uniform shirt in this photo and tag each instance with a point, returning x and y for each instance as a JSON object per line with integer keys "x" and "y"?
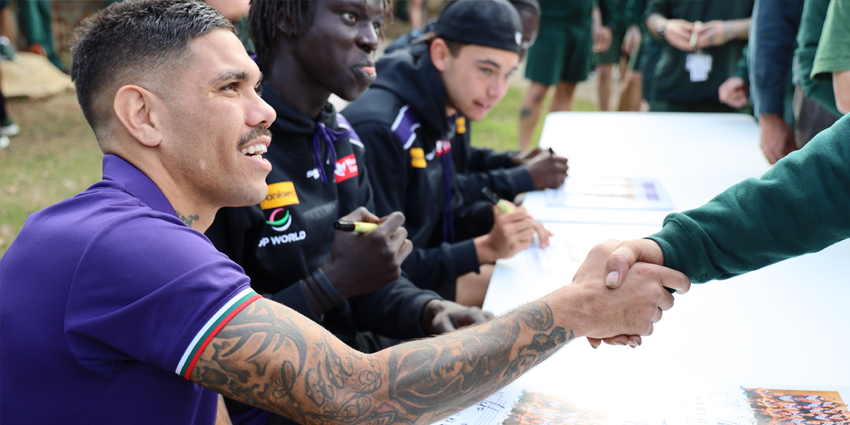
{"x": 672, "y": 80}
{"x": 808, "y": 38}
{"x": 570, "y": 12}
{"x": 798, "y": 207}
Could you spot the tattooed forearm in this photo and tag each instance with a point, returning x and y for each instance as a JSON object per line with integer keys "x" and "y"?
{"x": 188, "y": 220}
{"x": 272, "y": 358}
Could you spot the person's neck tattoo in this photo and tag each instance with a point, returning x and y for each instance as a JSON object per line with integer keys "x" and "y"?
{"x": 188, "y": 220}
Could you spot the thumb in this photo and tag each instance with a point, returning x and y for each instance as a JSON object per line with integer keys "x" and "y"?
{"x": 626, "y": 255}
{"x": 595, "y": 343}
{"x": 361, "y": 214}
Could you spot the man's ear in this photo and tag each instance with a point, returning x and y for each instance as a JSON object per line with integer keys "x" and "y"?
{"x": 440, "y": 54}
{"x": 136, "y": 109}
{"x": 285, "y": 24}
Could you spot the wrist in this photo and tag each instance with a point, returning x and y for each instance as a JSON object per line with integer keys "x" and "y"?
{"x": 571, "y": 307}
{"x": 331, "y": 274}
{"x": 483, "y": 249}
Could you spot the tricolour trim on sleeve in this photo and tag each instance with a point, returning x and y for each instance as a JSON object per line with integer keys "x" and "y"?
{"x": 211, "y": 329}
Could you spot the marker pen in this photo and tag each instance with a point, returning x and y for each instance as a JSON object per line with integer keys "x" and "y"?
{"x": 492, "y": 197}
{"x": 355, "y": 226}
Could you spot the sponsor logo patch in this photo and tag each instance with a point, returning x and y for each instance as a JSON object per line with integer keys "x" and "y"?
{"x": 280, "y": 220}
{"x": 280, "y": 195}
{"x": 283, "y": 239}
{"x": 417, "y": 158}
{"x": 346, "y": 168}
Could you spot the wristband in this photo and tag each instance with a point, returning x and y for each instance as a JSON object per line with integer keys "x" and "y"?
{"x": 315, "y": 295}
{"x": 328, "y": 288}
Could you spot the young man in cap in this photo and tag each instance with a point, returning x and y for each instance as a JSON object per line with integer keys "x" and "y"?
{"x": 145, "y": 321}
{"x": 506, "y": 173}
{"x": 407, "y": 120}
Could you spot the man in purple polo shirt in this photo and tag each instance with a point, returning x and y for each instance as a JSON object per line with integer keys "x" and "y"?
{"x": 116, "y": 308}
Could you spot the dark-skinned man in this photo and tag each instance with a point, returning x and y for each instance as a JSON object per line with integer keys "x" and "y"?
{"x": 145, "y": 321}
{"x": 406, "y": 121}
{"x": 287, "y": 243}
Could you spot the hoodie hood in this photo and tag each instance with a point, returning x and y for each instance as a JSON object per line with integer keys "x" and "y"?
{"x": 410, "y": 75}
{"x": 324, "y": 133}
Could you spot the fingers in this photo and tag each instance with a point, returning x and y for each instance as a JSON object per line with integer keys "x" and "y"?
{"x": 362, "y": 214}
{"x": 391, "y": 222}
{"x": 626, "y": 255}
{"x": 442, "y": 324}
{"x": 406, "y": 249}
{"x": 674, "y": 280}
{"x": 598, "y": 255}
{"x": 633, "y": 341}
{"x": 542, "y": 234}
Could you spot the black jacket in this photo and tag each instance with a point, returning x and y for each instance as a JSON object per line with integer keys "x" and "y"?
{"x": 477, "y": 168}
{"x": 276, "y": 257}
{"x": 402, "y": 120}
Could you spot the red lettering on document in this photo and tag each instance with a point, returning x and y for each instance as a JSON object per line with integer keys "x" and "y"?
{"x": 346, "y": 168}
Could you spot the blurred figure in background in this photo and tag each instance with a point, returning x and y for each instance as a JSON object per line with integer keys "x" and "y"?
{"x": 705, "y": 39}
{"x": 770, "y": 54}
{"x": 560, "y": 57}
{"x": 237, "y": 12}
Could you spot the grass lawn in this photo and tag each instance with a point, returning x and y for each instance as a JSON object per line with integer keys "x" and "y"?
{"x": 56, "y": 155}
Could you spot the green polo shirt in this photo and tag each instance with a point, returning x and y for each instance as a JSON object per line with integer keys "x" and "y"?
{"x": 672, "y": 80}
{"x": 808, "y": 38}
{"x": 833, "y": 53}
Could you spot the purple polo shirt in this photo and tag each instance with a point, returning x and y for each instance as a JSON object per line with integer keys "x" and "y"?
{"x": 106, "y": 300}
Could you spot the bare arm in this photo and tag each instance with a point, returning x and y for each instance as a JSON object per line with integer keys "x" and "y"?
{"x": 271, "y": 357}
{"x": 221, "y": 416}
{"x": 841, "y": 86}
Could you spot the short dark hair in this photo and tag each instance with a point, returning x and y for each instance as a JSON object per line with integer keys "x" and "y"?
{"x": 134, "y": 38}
{"x": 263, "y": 28}
{"x": 453, "y": 45}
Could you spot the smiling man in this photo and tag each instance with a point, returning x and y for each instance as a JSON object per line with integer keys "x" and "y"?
{"x": 114, "y": 300}
{"x": 407, "y": 119}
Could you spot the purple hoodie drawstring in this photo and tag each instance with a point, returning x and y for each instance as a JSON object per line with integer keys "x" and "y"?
{"x": 331, "y": 137}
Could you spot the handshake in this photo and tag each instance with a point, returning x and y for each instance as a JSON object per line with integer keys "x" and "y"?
{"x": 636, "y": 292}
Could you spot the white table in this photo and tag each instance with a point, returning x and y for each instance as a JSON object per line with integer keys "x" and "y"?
{"x": 783, "y": 325}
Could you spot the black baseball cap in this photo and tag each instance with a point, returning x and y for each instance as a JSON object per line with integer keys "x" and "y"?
{"x": 491, "y": 23}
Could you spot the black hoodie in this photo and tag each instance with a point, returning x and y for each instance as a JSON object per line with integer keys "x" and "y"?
{"x": 402, "y": 120}
{"x": 289, "y": 235}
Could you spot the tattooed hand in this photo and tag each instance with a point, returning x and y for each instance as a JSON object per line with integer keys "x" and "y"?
{"x": 271, "y": 357}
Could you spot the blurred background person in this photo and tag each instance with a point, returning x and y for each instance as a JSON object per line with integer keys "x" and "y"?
{"x": 770, "y": 55}
{"x": 705, "y": 40}
{"x": 560, "y": 57}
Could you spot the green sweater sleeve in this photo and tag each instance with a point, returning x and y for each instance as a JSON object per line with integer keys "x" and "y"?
{"x": 800, "y": 206}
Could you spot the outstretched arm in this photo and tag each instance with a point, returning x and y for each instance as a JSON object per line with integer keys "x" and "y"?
{"x": 273, "y": 358}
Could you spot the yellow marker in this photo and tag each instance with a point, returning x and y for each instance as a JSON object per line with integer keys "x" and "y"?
{"x": 355, "y": 226}
{"x": 499, "y": 203}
